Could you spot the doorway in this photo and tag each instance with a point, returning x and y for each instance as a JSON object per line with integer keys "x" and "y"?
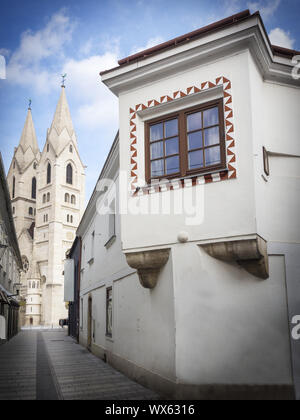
{"x": 89, "y": 338}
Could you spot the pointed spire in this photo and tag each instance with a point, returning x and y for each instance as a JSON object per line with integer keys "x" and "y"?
{"x": 62, "y": 117}
{"x": 28, "y": 137}
{"x": 61, "y": 132}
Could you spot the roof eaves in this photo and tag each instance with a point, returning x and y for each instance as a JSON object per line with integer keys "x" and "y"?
{"x": 238, "y": 17}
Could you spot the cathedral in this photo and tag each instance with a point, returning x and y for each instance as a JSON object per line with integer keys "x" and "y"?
{"x": 47, "y": 193}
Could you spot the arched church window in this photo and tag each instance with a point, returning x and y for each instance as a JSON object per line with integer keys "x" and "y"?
{"x": 30, "y": 211}
{"x": 34, "y": 165}
{"x": 69, "y": 174}
{"x": 71, "y": 148}
{"x": 13, "y": 187}
{"x": 14, "y": 210}
{"x": 33, "y": 187}
{"x": 68, "y": 218}
{"x": 44, "y": 198}
{"x": 73, "y": 199}
{"x": 48, "y": 197}
{"x": 71, "y": 219}
{"x": 67, "y": 198}
{"x": 48, "y": 173}
{"x": 33, "y": 284}
{"x": 48, "y": 147}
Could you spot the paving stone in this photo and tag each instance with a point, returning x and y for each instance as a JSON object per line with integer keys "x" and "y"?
{"x": 74, "y": 372}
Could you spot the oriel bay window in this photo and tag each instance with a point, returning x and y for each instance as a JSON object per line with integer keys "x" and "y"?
{"x": 189, "y": 142}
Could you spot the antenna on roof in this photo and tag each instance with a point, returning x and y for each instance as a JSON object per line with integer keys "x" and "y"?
{"x": 63, "y": 79}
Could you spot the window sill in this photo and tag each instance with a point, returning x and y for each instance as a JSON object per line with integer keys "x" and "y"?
{"x": 110, "y": 242}
{"x": 180, "y": 182}
{"x": 109, "y": 338}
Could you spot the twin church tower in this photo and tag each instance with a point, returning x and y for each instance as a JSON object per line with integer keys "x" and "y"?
{"x": 47, "y": 194}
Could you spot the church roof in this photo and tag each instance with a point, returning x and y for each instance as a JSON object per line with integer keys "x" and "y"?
{"x": 61, "y": 130}
{"x": 28, "y": 137}
{"x": 62, "y": 117}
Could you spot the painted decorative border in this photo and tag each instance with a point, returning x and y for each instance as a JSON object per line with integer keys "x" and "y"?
{"x": 229, "y": 134}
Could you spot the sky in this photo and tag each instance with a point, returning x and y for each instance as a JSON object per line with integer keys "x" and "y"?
{"x": 42, "y": 39}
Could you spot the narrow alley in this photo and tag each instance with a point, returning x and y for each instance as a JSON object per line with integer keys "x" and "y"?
{"x": 49, "y": 365}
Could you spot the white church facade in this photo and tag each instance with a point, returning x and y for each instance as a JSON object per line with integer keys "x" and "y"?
{"x": 190, "y": 285}
{"x": 47, "y": 195}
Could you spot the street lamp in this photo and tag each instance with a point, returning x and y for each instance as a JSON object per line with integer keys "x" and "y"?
{"x": 17, "y": 294}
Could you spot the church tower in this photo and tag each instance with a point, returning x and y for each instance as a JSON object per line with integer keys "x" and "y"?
{"x": 22, "y": 182}
{"x": 59, "y": 207}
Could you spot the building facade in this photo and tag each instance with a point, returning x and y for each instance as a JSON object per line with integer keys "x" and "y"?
{"x": 191, "y": 287}
{"x": 72, "y": 287}
{"x": 47, "y": 194}
{"x": 10, "y": 265}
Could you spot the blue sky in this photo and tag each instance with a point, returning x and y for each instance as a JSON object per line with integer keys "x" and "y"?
{"x": 41, "y": 39}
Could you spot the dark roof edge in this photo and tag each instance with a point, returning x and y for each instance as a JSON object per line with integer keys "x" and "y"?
{"x": 284, "y": 52}
{"x": 183, "y": 38}
{"x": 186, "y": 37}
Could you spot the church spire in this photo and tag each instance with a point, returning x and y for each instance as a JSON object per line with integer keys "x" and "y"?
{"x": 28, "y": 137}
{"x": 61, "y": 131}
{"x": 62, "y": 117}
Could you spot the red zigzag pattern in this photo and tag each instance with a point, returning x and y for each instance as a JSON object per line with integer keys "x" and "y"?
{"x": 229, "y": 130}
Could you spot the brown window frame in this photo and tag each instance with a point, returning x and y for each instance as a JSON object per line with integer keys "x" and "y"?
{"x": 183, "y": 142}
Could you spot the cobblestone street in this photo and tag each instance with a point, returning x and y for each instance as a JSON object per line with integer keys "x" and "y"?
{"x": 49, "y": 365}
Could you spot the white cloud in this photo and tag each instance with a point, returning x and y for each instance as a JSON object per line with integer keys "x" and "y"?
{"x": 5, "y": 52}
{"x": 40, "y": 59}
{"x": 97, "y": 106}
{"x": 281, "y": 38}
{"x": 266, "y": 8}
{"x": 150, "y": 43}
{"x": 233, "y": 6}
{"x": 27, "y": 66}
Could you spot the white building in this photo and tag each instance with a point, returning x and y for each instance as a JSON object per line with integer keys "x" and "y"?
{"x": 199, "y": 301}
{"x": 10, "y": 265}
{"x": 47, "y": 191}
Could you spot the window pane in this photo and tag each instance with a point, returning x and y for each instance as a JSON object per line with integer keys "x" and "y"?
{"x": 194, "y": 121}
{"x": 171, "y": 128}
{"x": 212, "y": 156}
{"x": 211, "y": 136}
{"x": 156, "y": 132}
{"x": 196, "y": 159}
{"x": 172, "y": 146}
{"x": 157, "y": 167}
{"x": 211, "y": 117}
{"x": 172, "y": 165}
{"x": 195, "y": 140}
{"x": 157, "y": 150}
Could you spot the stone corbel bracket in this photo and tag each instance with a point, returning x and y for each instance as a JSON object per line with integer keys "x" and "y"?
{"x": 148, "y": 265}
{"x": 251, "y": 254}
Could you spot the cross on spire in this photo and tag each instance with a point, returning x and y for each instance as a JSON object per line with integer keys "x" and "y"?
{"x": 29, "y": 103}
{"x": 63, "y": 79}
